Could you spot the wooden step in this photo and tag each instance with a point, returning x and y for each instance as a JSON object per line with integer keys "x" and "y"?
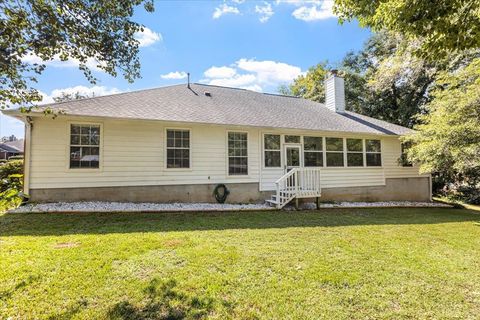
{"x": 272, "y": 202}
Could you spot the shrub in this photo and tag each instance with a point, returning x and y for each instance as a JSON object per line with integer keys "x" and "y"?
{"x": 11, "y": 184}
{"x": 11, "y": 167}
{"x": 19, "y": 157}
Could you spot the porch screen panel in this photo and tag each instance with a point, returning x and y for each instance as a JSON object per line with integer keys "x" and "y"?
{"x": 313, "y": 151}
{"x": 237, "y": 153}
{"x": 334, "y": 152}
{"x": 373, "y": 153}
{"x": 272, "y": 153}
{"x": 355, "y": 152}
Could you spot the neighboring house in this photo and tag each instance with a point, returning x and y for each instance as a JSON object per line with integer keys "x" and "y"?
{"x": 177, "y": 143}
{"x": 11, "y": 148}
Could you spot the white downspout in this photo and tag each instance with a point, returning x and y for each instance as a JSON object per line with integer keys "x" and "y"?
{"x": 27, "y": 155}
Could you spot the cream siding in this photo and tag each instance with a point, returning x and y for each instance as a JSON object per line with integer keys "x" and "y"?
{"x": 133, "y": 154}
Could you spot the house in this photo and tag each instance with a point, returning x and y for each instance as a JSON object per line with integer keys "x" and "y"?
{"x": 177, "y": 143}
{"x": 11, "y": 148}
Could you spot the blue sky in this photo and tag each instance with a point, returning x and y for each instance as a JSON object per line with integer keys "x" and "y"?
{"x": 256, "y": 45}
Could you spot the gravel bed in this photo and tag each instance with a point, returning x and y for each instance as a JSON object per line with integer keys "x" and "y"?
{"x": 174, "y": 207}
{"x": 98, "y": 206}
{"x": 311, "y": 205}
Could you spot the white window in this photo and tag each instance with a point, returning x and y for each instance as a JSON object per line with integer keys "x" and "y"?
{"x": 292, "y": 139}
{"x": 373, "y": 153}
{"x": 237, "y": 153}
{"x": 313, "y": 151}
{"x": 272, "y": 153}
{"x": 84, "y": 146}
{"x": 334, "y": 152}
{"x": 354, "y": 152}
{"x": 178, "y": 148}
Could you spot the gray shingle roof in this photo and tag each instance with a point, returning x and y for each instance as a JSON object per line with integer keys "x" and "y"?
{"x": 12, "y": 146}
{"x": 226, "y": 106}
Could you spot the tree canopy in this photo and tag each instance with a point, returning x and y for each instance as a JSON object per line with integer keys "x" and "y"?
{"x": 448, "y": 138}
{"x": 100, "y": 31}
{"x": 440, "y": 27}
{"x": 381, "y": 80}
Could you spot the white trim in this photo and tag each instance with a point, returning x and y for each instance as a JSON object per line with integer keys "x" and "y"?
{"x": 189, "y": 123}
{"x": 233, "y": 176}
{"x": 165, "y": 148}
{"x": 27, "y": 156}
{"x": 100, "y": 147}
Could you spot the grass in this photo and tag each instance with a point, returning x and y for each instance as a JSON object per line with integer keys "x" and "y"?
{"x": 332, "y": 264}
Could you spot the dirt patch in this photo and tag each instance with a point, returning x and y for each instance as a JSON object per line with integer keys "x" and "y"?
{"x": 173, "y": 243}
{"x": 63, "y": 245}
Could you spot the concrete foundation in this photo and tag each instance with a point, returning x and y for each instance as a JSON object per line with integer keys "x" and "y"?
{"x": 396, "y": 189}
{"x": 239, "y": 193}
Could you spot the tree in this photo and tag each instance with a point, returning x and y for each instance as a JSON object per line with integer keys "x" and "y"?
{"x": 448, "y": 138}
{"x": 100, "y": 31}
{"x": 440, "y": 27}
{"x": 381, "y": 80}
{"x": 72, "y": 96}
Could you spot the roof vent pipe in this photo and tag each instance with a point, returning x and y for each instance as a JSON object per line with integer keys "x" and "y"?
{"x": 335, "y": 92}
{"x": 188, "y": 80}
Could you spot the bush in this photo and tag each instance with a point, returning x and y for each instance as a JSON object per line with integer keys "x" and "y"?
{"x": 11, "y": 184}
{"x": 19, "y": 157}
{"x": 11, "y": 167}
{"x": 11, "y": 195}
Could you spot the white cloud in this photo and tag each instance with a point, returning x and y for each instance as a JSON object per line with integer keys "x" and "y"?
{"x": 147, "y": 37}
{"x": 298, "y": 2}
{"x": 220, "y": 72}
{"x": 270, "y": 71}
{"x": 224, "y": 9}
{"x": 174, "y": 75}
{"x": 238, "y": 1}
{"x": 82, "y": 90}
{"x": 315, "y": 12}
{"x": 252, "y": 74}
{"x": 265, "y": 11}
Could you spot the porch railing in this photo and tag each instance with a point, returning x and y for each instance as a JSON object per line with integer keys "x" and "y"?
{"x": 298, "y": 183}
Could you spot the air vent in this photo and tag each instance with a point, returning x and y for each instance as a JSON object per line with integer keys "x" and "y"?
{"x": 207, "y": 94}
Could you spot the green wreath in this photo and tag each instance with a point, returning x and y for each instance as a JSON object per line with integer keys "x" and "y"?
{"x": 221, "y": 193}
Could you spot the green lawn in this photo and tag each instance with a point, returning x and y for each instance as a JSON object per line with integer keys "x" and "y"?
{"x": 331, "y": 264}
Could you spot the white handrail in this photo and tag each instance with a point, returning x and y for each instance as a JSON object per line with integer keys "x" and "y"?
{"x": 298, "y": 183}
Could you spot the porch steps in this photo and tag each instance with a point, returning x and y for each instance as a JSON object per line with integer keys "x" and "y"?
{"x": 296, "y": 184}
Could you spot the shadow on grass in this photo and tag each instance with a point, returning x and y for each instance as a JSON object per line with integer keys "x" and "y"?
{"x": 163, "y": 301}
{"x": 105, "y": 223}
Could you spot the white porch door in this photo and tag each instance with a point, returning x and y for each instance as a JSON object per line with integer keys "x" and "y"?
{"x": 293, "y": 157}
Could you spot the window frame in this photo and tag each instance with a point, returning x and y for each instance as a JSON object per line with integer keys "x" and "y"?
{"x": 322, "y": 151}
{"x": 356, "y": 152}
{"x": 279, "y": 151}
{"x": 228, "y": 157}
{"x": 165, "y": 157}
{"x": 374, "y": 152}
{"x": 342, "y": 152}
{"x": 68, "y": 145}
